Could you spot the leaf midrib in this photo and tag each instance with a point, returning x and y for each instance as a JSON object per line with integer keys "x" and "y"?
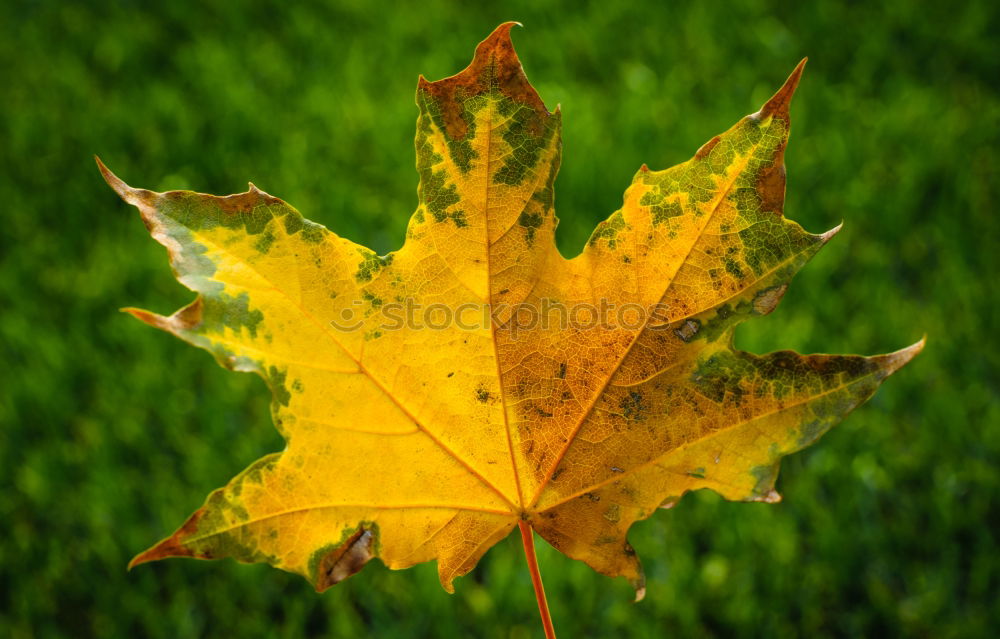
{"x": 489, "y": 293}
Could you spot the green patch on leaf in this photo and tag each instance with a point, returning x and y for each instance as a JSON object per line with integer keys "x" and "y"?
{"x": 608, "y": 230}
{"x": 371, "y": 264}
{"x": 223, "y": 310}
{"x": 276, "y": 382}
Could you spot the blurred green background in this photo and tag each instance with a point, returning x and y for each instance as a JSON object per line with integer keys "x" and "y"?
{"x": 112, "y": 433}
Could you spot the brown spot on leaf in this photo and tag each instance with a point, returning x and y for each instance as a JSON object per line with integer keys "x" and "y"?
{"x": 768, "y": 299}
{"x": 771, "y": 186}
{"x": 345, "y": 560}
{"x": 688, "y": 330}
{"x": 706, "y": 148}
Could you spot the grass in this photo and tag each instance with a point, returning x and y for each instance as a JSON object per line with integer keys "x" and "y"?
{"x": 111, "y": 433}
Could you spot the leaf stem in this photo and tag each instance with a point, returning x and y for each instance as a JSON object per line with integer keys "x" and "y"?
{"x": 528, "y": 539}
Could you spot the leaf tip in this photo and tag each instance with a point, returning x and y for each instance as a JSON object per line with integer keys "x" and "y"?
{"x": 640, "y": 593}
{"x": 498, "y": 42}
{"x": 256, "y": 190}
{"x": 124, "y": 191}
{"x": 173, "y": 546}
{"x": 146, "y": 317}
{"x": 447, "y": 579}
{"x": 113, "y": 180}
{"x": 169, "y": 547}
{"x": 770, "y": 497}
{"x": 183, "y": 320}
{"x": 495, "y": 66}
{"x": 892, "y": 362}
{"x": 503, "y": 31}
{"x": 779, "y": 101}
{"x": 826, "y": 237}
{"x": 141, "y": 558}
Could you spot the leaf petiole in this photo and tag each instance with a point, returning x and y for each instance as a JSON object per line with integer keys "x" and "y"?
{"x": 528, "y": 539}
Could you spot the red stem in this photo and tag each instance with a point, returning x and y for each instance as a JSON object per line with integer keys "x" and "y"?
{"x": 527, "y": 537}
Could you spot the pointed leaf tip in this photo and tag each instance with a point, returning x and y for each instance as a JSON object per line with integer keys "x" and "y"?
{"x": 152, "y": 319}
{"x": 639, "y": 585}
{"x": 172, "y": 546}
{"x": 902, "y": 357}
{"x": 494, "y": 67}
{"x": 826, "y": 237}
{"x": 166, "y": 548}
{"x": 892, "y": 362}
{"x": 124, "y": 191}
{"x": 502, "y": 32}
{"x": 500, "y": 45}
{"x": 772, "y": 497}
{"x": 139, "y": 559}
{"x": 498, "y": 42}
{"x": 113, "y": 180}
{"x": 779, "y": 101}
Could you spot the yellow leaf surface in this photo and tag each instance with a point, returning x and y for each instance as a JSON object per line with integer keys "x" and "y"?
{"x": 434, "y": 397}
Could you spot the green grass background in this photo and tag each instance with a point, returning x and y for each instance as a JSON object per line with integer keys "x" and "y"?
{"x": 112, "y": 433}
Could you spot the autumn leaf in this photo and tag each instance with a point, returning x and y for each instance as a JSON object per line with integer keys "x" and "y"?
{"x": 434, "y": 398}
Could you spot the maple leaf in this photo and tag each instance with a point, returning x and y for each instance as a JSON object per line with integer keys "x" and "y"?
{"x": 573, "y": 397}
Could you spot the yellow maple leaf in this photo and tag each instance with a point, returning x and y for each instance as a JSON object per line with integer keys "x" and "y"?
{"x": 434, "y": 398}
